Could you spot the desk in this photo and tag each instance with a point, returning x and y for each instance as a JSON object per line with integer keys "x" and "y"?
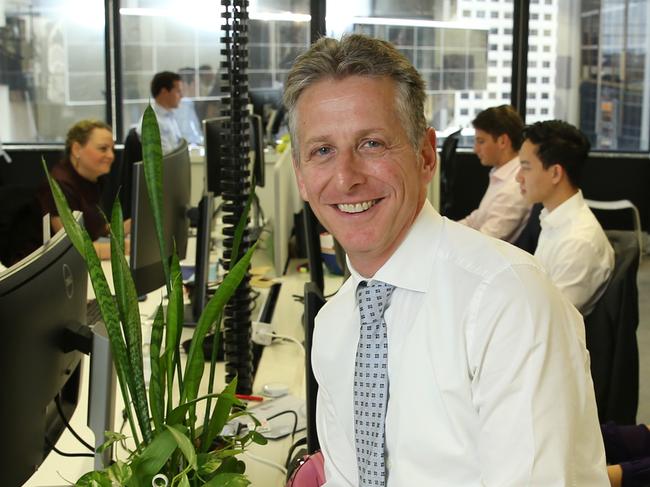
{"x": 281, "y": 362}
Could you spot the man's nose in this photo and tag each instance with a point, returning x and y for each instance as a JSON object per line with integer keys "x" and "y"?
{"x": 349, "y": 170}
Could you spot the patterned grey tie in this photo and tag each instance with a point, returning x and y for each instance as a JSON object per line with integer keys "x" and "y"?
{"x": 371, "y": 383}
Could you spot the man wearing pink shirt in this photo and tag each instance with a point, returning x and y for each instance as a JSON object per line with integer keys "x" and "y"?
{"x": 503, "y": 211}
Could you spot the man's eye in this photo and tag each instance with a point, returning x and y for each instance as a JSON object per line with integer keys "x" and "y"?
{"x": 322, "y": 151}
{"x": 373, "y": 144}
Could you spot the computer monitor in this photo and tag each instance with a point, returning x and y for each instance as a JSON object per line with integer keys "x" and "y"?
{"x": 199, "y": 289}
{"x": 41, "y": 297}
{"x": 145, "y": 260}
{"x": 267, "y": 103}
{"x": 214, "y": 131}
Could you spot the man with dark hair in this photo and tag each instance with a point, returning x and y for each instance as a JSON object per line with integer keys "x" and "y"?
{"x": 186, "y": 113}
{"x": 572, "y": 246}
{"x": 502, "y": 212}
{"x": 448, "y": 358}
{"x": 167, "y": 92}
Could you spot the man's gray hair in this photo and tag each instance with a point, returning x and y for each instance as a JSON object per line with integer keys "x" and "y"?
{"x": 358, "y": 55}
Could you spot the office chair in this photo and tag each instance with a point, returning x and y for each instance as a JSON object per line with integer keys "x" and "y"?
{"x": 119, "y": 179}
{"x": 611, "y": 335}
{"x": 527, "y": 239}
{"x": 448, "y": 172}
{"x": 307, "y": 468}
{"x": 619, "y": 205}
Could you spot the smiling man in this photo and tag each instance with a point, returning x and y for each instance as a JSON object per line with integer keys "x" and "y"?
{"x": 447, "y": 358}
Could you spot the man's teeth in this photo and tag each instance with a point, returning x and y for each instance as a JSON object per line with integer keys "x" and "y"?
{"x": 355, "y": 207}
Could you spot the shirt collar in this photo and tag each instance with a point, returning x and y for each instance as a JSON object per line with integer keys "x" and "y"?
{"x": 562, "y": 213}
{"x": 417, "y": 251}
{"x": 506, "y": 171}
{"x": 160, "y": 110}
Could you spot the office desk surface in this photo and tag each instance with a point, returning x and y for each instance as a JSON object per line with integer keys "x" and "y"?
{"x": 281, "y": 362}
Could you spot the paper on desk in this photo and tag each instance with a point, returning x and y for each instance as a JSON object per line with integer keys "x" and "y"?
{"x": 282, "y": 425}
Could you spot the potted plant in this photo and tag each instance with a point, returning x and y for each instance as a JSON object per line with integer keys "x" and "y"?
{"x": 172, "y": 446}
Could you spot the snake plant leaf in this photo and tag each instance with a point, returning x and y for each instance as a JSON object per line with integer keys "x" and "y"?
{"x": 81, "y": 240}
{"x": 72, "y": 228}
{"x": 127, "y": 301}
{"x": 228, "y": 480}
{"x": 185, "y": 445}
{"x": 178, "y": 413}
{"x": 174, "y": 325}
{"x": 156, "y": 386}
{"x": 195, "y": 363}
{"x": 153, "y": 173}
{"x": 221, "y": 413}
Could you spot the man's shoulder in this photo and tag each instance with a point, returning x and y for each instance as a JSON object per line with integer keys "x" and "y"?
{"x": 472, "y": 251}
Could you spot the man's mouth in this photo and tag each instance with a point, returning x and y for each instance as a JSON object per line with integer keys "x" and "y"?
{"x": 356, "y": 207}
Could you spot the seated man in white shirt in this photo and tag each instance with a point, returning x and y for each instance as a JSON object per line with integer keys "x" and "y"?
{"x": 167, "y": 93}
{"x": 572, "y": 246}
{"x": 503, "y": 212}
{"x": 448, "y": 358}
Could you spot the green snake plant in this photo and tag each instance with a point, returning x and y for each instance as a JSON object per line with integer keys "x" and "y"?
{"x": 172, "y": 446}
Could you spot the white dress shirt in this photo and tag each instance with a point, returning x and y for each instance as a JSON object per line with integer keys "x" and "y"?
{"x": 503, "y": 211}
{"x": 575, "y": 251}
{"x": 170, "y": 132}
{"x": 488, "y": 371}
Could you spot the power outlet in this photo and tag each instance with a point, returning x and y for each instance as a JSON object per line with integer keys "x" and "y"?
{"x": 262, "y": 333}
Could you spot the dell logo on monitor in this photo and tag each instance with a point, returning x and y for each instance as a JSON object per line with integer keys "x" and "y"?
{"x": 68, "y": 281}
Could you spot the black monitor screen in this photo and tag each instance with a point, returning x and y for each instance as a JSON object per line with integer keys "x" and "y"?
{"x": 146, "y": 264}
{"x": 39, "y": 296}
{"x": 214, "y": 131}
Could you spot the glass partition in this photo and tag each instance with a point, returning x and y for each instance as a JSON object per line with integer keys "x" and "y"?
{"x": 463, "y": 49}
{"x": 52, "y": 69}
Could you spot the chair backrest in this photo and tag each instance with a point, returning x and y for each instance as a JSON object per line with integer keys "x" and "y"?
{"x": 599, "y": 207}
{"x": 119, "y": 179}
{"x": 529, "y": 236}
{"x": 611, "y": 335}
{"x": 447, "y": 171}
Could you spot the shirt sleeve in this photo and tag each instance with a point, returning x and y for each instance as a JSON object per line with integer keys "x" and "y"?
{"x": 578, "y": 270}
{"x": 531, "y": 385}
{"x": 504, "y": 216}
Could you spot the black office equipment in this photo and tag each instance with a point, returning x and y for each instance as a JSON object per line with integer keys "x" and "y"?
{"x": 145, "y": 260}
{"x": 199, "y": 289}
{"x": 448, "y": 172}
{"x": 215, "y": 131}
{"x": 119, "y": 180}
{"x": 314, "y": 301}
{"x": 42, "y": 298}
{"x": 312, "y": 244}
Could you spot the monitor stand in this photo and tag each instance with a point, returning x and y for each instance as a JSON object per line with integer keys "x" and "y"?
{"x": 101, "y": 394}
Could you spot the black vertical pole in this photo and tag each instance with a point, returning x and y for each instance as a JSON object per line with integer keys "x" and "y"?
{"x": 520, "y": 56}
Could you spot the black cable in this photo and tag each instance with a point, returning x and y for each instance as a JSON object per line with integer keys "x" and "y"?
{"x": 295, "y": 420}
{"x": 300, "y": 442}
{"x": 59, "y": 408}
{"x": 65, "y": 454}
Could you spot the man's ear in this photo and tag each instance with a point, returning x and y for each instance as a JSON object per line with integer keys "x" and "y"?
{"x": 299, "y": 178}
{"x": 557, "y": 173}
{"x": 429, "y": 154}
{"x": 504, "y": 141}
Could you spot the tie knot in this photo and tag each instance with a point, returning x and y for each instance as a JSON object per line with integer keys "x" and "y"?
{"x": 374, "y": 297}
